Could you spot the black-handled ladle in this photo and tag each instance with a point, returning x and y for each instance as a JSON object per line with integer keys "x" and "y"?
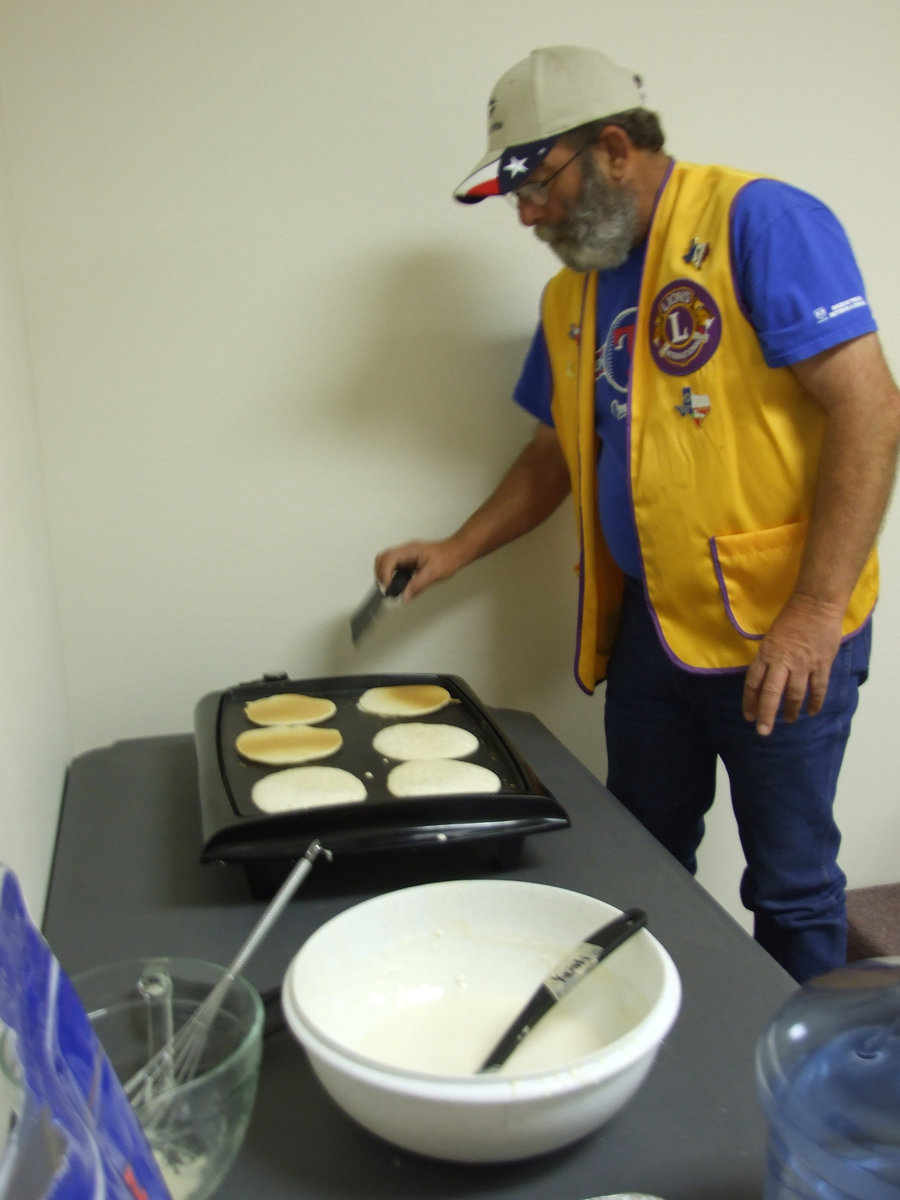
{"x": 583, "y": 958}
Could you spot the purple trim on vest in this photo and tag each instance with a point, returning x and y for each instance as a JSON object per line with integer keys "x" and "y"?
{"x": 628, "y": 446}
{"x": 752, "y": 637}
{"x": 588, "y": 691}
{"x": 579, "y": 628}
{"x": 638, "y": 331}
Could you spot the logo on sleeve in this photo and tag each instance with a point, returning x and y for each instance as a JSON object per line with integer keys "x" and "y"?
{"x": 685, "y": 327}
{"x": 839, "y": 309}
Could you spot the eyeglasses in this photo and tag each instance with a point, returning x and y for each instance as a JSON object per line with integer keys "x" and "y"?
{"x": 538, "y": 193}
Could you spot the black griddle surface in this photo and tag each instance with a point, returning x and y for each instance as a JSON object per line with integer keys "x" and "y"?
{"x": 234, "y": 829}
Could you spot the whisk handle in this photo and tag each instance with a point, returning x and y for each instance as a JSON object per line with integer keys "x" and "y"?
{"x": 273, "y": 911}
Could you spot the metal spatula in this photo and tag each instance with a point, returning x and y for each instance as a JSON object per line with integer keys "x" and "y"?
{"x": 374, "y": 602}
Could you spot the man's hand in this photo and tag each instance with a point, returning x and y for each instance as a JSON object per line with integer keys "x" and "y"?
{"x": 794, "y": 662}
{"x": 430, "y": 562}
{"x": 861, "y": 402}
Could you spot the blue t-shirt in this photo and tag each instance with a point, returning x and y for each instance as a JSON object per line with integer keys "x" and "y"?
{"x": 800, "y": 286}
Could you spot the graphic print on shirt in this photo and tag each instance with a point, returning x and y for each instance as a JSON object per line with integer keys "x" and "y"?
{"x": 613, "y": 362}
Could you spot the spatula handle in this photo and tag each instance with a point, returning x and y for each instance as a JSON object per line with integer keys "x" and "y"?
{"x": 583, "y": 958}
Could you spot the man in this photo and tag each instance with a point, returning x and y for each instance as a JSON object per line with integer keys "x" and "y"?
{"x": 710, "y": 387}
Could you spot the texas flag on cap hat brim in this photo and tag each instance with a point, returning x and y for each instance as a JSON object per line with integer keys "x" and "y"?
{"x": 503, "y": 173}
{"x": 484, "y": 182}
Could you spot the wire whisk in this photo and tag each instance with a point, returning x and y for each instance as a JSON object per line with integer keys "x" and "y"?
{"x": 151, "y": 1090}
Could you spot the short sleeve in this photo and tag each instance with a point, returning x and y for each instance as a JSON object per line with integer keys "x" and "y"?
{"x": 796, "y": 273}
{"x": 534, "y": 390}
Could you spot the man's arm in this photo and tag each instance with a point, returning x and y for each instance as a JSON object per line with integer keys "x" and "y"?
{"x": 856, "y": 473}
{"x": 532, "y": 489}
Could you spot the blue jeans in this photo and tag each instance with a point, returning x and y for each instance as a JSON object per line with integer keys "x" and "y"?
{"x": 665, "y": 728}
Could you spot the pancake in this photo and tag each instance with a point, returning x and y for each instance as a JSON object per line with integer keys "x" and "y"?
{"x": 422, "y": 739}
{"x": 306, "y": 787}
{"x": 289, "y": 708}
{"x": 280, "y": 744}
{"x": 404, "y": 700}
{"x": 440, "y": 777}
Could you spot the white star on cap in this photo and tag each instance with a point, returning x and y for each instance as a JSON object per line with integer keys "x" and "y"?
{"x": 517, "y": 166}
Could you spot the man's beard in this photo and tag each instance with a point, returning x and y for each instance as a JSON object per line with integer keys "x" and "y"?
{"x": 601, "y": 228}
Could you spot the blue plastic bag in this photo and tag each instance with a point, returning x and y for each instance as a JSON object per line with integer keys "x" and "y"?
{"x": 74, "y": 1135}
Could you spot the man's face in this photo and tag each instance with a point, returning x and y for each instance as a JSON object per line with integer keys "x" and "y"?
{"x": 588, "y": 222}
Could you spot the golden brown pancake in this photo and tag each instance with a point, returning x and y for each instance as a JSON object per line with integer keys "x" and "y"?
{"x": 289, "y": 708}
{"x": 280, "y": 744}
{"x": 404, "y": 700}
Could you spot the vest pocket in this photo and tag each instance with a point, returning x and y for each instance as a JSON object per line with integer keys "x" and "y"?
{"x": 756, "y": 573}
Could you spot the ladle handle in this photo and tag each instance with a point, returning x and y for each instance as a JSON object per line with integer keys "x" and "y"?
{"x": 583, "y": 958}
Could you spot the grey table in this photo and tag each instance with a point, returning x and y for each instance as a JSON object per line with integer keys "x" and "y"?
{"x": 126, "y": 880}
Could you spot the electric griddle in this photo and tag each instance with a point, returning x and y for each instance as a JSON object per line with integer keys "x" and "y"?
{"x": 382, "y": 825}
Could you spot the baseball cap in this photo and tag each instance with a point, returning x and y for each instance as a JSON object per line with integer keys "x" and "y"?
{"x": 539, "y": 99}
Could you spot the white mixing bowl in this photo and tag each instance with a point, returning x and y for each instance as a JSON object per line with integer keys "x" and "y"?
{"x": 399, "y": 999}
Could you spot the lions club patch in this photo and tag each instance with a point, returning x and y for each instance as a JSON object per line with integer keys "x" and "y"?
{"x": 685, "y": 327}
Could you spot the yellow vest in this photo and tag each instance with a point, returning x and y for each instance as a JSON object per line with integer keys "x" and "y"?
{"x": 724, "y": 450}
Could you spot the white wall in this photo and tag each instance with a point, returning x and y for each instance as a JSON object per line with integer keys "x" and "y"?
{"x": 266, "y": 343}
{"x": 33, "y": 733}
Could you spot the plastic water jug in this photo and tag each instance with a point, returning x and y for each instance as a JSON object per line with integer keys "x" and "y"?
{"x": 828, "y": 1074}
